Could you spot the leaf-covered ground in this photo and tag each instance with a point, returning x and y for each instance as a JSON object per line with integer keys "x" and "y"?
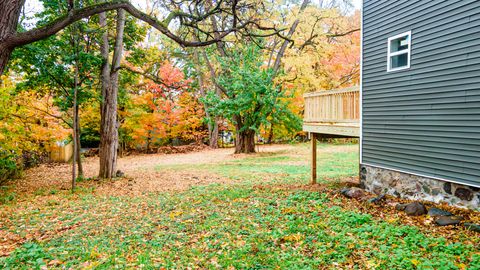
{"x": 261, "y": 217}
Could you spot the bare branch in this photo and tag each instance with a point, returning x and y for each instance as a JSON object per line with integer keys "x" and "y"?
{"x": 74, "y": 15}
{"x": 343, "y": 34}
{"x": 281, "y": 52}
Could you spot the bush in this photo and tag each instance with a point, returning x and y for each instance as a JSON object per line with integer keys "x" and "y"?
{"x": 34, "y": 158}
{"x": 9, "y": 166}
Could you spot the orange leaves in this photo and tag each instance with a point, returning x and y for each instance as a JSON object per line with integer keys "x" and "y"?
{"x": 172, "y": 75}
{"x": 165, "y": 111}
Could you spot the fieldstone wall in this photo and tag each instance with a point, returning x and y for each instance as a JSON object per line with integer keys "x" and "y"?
{"x": 382, "y": 181}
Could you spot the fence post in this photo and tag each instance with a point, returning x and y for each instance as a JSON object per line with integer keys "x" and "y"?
{"x": 314, "y": 158}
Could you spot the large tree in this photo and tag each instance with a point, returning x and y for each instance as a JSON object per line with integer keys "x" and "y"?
{"x": 249, "y": 96}
{"x": 244, "y": 142}
{"x": 109, "y": 74}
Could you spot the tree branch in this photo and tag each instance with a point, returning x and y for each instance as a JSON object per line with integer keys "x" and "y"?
{"x": 281, "y": 52}
{"x": 343, "y": 34}
{"x": 74, "y": 15}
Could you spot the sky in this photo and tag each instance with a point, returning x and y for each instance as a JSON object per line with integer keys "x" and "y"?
{"x": 357, "y": 4}
{"x": 33, "y": 6}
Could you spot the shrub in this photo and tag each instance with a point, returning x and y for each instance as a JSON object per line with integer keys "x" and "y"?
{"x": 9, "y": 166}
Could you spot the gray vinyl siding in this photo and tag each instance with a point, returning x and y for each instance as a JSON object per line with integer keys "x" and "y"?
{"x": 424, "y": 120}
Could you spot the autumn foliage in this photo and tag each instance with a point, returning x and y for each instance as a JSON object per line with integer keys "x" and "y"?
{"x": 163, "y": 112}
{"x": 29, "y": 124}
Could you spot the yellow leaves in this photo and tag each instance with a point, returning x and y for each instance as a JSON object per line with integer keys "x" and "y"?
{"x": 391, "y": 220}
{"x": 241, "y": 200}
{"x": 94, "y": 254}
{"x": 174, "y": 214}
{"x": 288, "y": 210}
{"x": 319, "y": 225}
{"x": 415, "y": 262}
{"x": 29, "y": 120}
{"x": 324, "y": 62}
{"x": 371, "y": 264}
{"x": 297, "y": 237}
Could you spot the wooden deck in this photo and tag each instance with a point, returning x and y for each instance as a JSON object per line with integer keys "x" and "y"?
{"x": 333, "y": 112}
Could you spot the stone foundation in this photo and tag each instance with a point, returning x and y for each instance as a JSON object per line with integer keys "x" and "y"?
{"x": 403, "y": 185}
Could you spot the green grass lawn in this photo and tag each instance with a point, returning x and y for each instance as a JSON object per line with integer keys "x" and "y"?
{"x": 237, "y": 226}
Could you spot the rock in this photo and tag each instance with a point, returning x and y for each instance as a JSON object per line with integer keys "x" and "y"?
{"x": 400, "y": 206}
{"x": 377, "y": 189}
{"x": 354, "y": 192}
{"x": 363, "y": 173}
{"x": 119, "y": 174}
{"x": 426, "y": 189}
{"x": 447, "y": 187}
{"x": 377, "y": 199}
{"x": 412, "y": 209}
{"x": 472, "y": 226}
{"x": 450, "y": 220}
{"x": 435, "y": 212}
{"x": 464, "y": 194}
{"x": 436, "y": 191}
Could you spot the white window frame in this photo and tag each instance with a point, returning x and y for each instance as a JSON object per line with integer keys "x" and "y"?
{"x": 407, "y": 51}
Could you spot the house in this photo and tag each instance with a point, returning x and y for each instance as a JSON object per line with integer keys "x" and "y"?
{"x": 420, "y": 100}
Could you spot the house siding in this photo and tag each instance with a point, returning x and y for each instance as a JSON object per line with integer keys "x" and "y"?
{"x": 424, "y": 120}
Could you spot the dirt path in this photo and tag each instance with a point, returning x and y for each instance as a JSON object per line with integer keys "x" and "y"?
{"x": 142, "y": 173}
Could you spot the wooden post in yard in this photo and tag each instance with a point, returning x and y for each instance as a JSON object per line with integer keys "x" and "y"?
{"x": 314, "y": 158}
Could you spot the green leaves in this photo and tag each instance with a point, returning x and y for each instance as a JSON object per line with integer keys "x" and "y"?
{"x": 251, "y": 98}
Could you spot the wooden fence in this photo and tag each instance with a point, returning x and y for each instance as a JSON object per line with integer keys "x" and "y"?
{"x": 333, "y": 106}
{"x": 61, "y": 153}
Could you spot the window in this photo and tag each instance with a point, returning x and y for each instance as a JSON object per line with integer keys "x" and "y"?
{"x": 399, "y": 48}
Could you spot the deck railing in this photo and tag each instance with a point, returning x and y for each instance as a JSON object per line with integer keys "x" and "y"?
{"x": 333, "y": 106}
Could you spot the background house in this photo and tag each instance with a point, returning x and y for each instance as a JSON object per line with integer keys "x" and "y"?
{"x": 421, "y": 99}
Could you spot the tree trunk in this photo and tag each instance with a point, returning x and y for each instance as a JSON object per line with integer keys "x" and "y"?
{"x": 213, "y": 135}
{"x": 4, "y": 57}
{"x": 270, "y": 135}
{"x": 109, "y": 136}
{"x": 105, "y": 78}
{"x": 79, "y": 145}
{"x": 109, "y": 122}
{"x": 148, "y": 141}
{"x": 212, "y": 126}
{"x": 245, "y": 139}
{"x": 75, "y": 125}
{"x": 281, "y": 51}
{"x": 9, "y": 17}
{"x": 245, "y": 142}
